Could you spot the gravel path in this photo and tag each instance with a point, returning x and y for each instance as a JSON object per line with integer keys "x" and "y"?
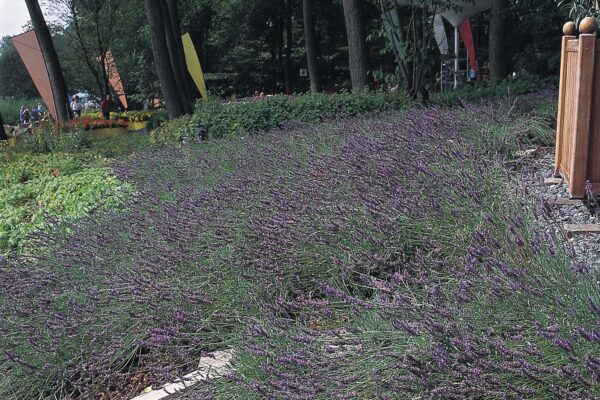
{"x": 584, "y": 248}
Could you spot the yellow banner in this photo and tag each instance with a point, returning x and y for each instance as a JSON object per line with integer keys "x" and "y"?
{"x": 193, "y": 64}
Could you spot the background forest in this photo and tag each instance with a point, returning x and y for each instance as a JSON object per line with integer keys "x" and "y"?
{"x": 257, "y": 45}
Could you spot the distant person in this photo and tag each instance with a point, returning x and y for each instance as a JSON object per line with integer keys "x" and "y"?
{"x": 41, "y": 111}
{"x": 3, "y": 135}
{"x": 106, "y": 107}
{"x": 26, "y": 117}
{"x": 35, "y": 115}
{"x": 76, "y": 106}
{"x": 21, "y": 111}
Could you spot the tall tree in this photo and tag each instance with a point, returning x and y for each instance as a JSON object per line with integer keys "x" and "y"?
{"x": 14, "y": 79}
{"x": 357, "y": 43}
{"x": 279, "y": 29}
{"x": 289, "y": 42}
{"x": 311, "y": 45}
{"x": 57, "y": 80}
{"x": 173, "y": 44}
{"x": 498, "y": 44}
{"x": 164, "y": 69}
{"x": 190, "y": 93}
{"x": 92, "y": 31}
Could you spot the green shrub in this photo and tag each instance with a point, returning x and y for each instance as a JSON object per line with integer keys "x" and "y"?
{"x": 488, "y": 89}
{"x": 157, "y": 119}
{"x": 56, "y": 139}
{"x": 216, "y": 120}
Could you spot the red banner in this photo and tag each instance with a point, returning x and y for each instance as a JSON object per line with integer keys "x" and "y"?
{"x": 28, "y": 47}
{"x": 467, "y": 36}
{"x": 114, "y": 78}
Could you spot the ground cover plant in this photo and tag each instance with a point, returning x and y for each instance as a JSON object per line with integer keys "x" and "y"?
{"x": 58, "y": 176}
{"x": 379, "y": 257}
{"x": 27, "y": 205}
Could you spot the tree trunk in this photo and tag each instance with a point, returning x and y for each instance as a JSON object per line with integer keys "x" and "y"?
{"x": 357, "y": 44}
{"x": 288, "y": 47}
{"x": 189, "y": 85}
{"x": 498, "y": 50}
{"x": 101, "y": 43}
{"x": 160, "y": 51}
{"x": 404, "y": 68}
{"x": 311, "y": 46}
{"x": 57, "y": 80}
{"x": 279, "y": 29}
{"x": 173, "y": 54}
{"x": 104, "y": 71}
{"x": 3, "y": 135}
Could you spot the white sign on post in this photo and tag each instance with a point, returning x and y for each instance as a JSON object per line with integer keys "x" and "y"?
{"x": 303, "y": 72}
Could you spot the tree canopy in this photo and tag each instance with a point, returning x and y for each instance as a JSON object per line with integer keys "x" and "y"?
{"x": 249, "y": 46}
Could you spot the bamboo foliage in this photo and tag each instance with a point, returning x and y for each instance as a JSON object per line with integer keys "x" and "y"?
{"x": 410, "y": 36}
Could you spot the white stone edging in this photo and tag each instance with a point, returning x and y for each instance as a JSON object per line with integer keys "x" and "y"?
{"x": 208, "y": 368}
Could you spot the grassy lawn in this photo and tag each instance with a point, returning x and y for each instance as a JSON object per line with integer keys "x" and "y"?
{"x": 374, "y": 257}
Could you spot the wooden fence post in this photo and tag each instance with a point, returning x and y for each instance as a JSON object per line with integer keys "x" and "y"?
{"x": 583, "y": 114}
{"x": 562, "y": 87}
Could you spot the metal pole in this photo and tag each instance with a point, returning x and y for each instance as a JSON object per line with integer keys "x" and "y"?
{"x": 468, "y": 75}
{"x": 441, "y": 76}
{"x": 456, "y": 49}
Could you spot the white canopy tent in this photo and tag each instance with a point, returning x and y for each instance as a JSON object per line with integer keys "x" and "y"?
{"x": 465, "y": 9}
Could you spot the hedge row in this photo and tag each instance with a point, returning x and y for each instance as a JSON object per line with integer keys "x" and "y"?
{"x": 488, "y": 89}
{"x": 215, "y": 119}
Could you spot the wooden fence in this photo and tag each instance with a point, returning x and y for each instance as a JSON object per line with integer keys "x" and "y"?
{"x": 578, "y": 119}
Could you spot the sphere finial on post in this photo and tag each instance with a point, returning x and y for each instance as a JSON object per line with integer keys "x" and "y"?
{"x": 569, "y": 29}
{"x": 588, "y": 25}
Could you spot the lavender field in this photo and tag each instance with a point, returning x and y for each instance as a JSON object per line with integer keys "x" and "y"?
{"x": 381, "y": 257}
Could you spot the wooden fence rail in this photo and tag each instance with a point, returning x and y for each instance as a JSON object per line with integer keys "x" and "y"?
{"x": 578, "y": 118}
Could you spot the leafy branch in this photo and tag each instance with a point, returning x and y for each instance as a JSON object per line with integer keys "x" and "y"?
{"x": 579, "y": 9}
